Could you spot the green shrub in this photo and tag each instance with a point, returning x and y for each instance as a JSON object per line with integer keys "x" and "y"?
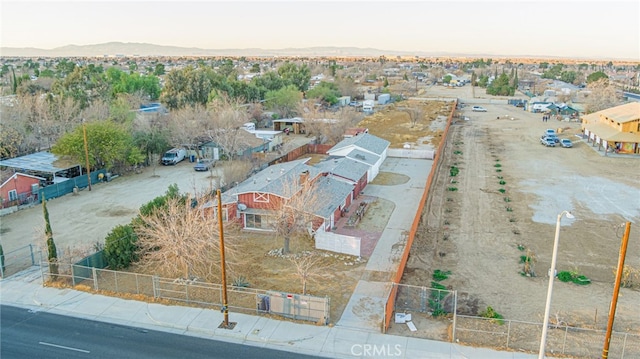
{"x": 452, "y": 189}
{"x": 564, "y": 276}
{"x": 453, "y": 171}
{"x": 436, "y": 285}
{"x": 581, "y": 280}
{"x": 521, "y": 247}
{"x": 439, "y": 275}
{"x": 502, "y": 190}
{"x": 525, "y": 259}
{"x": 120, "y": 248}
{"x": 502, "y": 182}
{"x": 497, "y": 165}
{"x": 491, "y": 313}
{"x": 498, "y": 170}
{"x": 509, "y": 209}
{"x": 457, "y": 152}
{"x": 507, "y": 199}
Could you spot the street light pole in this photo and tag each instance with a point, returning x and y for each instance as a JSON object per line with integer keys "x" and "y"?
{"x": 552, "y": 275}
{"x": 86, "y": 152}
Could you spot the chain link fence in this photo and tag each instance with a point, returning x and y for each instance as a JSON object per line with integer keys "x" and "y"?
{"x": 242, "y": 300}
{"x": 432, "y": 305}
{"x": 18, "y": 260}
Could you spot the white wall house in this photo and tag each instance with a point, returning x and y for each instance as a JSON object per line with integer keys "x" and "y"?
{"x": 364, "y": 148}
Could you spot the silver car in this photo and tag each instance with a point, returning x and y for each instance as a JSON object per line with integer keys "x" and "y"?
{"x": 205, "y": 164}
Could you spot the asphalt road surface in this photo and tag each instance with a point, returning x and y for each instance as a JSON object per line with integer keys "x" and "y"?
{"x": 26, "y": 334}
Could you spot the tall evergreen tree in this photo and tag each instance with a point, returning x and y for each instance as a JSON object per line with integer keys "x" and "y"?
{"x": 52, "y": 252}
{"x": 14, "y": 84}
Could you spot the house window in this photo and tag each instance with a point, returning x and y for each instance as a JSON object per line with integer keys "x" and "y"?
{"x": 258, "y": 221}
{"x": 13, "y": 195}
{"x": 224, "y": 214}
{"x": 261, "y": 197}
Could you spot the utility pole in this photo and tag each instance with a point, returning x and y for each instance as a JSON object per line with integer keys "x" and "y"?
{"x": 616, "y": 290}
{"x": 86, "y": 152}
{"x": 225, "y": 308}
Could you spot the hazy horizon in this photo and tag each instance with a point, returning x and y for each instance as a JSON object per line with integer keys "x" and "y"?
{"x": 591, "y": 29}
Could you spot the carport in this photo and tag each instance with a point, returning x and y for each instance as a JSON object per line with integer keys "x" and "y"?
{"x": 44, "y": 164}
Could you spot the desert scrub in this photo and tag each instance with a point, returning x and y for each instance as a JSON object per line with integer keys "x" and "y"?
{"x": 492, "y": 314}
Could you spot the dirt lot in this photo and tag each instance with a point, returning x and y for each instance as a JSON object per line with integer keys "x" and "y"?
{"x": 478, "y": 233}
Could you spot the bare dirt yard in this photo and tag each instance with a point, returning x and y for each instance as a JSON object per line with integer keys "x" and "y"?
{"x": 503, "y": 203}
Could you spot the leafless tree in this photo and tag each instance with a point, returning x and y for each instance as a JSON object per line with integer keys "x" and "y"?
{"x": 184, "y": 241}
{"x": 224, "y": 127}
{"x": 188, "y": 124}
{"x": 415, "y": 112}
{"x": 291, "y": 213}
{"x": 235, "y": 171}
{"x": 603, "y": 95}
{"x": 308, "y": 266}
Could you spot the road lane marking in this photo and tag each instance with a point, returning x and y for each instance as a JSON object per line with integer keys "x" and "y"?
{"x": 63, "y": 347}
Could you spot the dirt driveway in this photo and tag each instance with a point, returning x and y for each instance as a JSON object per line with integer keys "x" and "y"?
{"x": 79, "y": 221}
{"x": 479, "y": 233}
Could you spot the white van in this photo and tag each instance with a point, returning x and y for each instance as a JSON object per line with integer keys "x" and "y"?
{"x": 174, "y": 156}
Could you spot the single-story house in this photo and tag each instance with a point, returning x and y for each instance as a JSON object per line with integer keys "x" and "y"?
{"x": 19, "y": 188}
{"x": 616, "y": 128}
{"x": 364, "y": 148}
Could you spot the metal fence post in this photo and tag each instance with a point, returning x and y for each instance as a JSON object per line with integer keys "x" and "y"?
{"x": 455, "y": 316}
{"x": 94, "y": 274}
{"x": 154, "y": 279}
{"x": 33, "y": 261}
{"x": 508, "y": 333}
{"x": 73, "y": 275}
{"x": 186, "y": 291}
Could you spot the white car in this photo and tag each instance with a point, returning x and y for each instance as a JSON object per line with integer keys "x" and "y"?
{"x": 478, "y": 109}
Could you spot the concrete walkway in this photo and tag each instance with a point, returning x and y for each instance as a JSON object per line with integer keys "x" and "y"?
{"x": 365, "y": 309}
{"x": 25, "y": 290}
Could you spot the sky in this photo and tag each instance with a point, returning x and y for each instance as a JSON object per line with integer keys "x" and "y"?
{"x": 569, "y": 28}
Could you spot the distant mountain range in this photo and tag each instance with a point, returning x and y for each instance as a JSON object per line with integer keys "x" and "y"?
{"x": 144, "y": 49}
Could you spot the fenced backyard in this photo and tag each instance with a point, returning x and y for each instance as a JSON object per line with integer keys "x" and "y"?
{"x": 191, "y": 292}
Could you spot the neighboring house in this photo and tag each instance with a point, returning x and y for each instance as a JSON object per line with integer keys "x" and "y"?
{"x": 273, "y": 138}
{"x": 243, "y": 142}
{"x": 364, "y": 148}
{"x": 539, "y": 106}
{"x": 19, "y": 189}
{"x": 617, "y": 128}
{"x": 562, "y": 109}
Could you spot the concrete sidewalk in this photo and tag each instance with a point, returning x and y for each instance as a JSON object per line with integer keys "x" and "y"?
{"x": 25, "y": 290}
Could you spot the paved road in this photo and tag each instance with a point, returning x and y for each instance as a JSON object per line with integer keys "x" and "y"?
{"x": 27, "y": 334}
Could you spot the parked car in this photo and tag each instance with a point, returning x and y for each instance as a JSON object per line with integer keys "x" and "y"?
{"x": 478, "y": 109}
{"x": 205, "y": 164}
{"x": 549, "y": 131}
{"x": 552, "y": 137}
{"x": 566, "y": 143}
{"x": 547, "y": 141}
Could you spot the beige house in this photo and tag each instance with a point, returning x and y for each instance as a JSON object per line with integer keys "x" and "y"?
{"x": 615, "y": 129}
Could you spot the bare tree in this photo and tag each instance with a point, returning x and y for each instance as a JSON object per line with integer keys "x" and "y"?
{"x": 415, "y": 112}
{"x": 292, "y": 216}
{"x": 235, "y": 171}
{"x": 225, "y": 125}
{"x": 187, "y": 125}
{"x": 603, "y": 95}
{"x": 309, "y": 266}
{"x": 183, "y": 241}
